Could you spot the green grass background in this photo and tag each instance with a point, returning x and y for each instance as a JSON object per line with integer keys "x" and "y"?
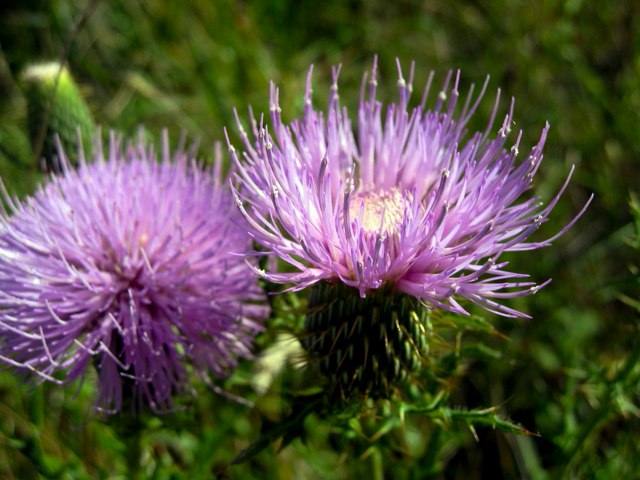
{"x": 570, "y": 373}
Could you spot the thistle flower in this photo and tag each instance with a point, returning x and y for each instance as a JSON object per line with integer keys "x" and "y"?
{"x": 131, "y": 265}
{"x": 404, "y": 212}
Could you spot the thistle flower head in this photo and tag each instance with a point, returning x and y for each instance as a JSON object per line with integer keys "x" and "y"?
{"x": 131, "y": 265}
{"x": 407, "y": 200}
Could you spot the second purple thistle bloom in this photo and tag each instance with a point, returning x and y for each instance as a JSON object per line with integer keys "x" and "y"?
{"x": 405, "y": 211}
{"x": 130, "y": 264}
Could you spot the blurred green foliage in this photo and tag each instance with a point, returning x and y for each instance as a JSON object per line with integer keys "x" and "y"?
{"x": 570, "y": 374}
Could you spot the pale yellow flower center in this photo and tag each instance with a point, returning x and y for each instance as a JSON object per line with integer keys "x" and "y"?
{"x": 381, "y": 209}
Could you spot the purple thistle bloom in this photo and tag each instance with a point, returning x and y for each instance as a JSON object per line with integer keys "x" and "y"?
{"x": 133, "y": 265}
{"x": 407, "y": 201}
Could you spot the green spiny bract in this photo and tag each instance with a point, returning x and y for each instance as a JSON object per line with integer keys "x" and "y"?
{"x": 365, "y": 345}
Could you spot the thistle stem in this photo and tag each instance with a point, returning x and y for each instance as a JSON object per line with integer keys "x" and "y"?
{"x": 377, "y": 469}
{"x": 430, "y": 459}
{"x": 134, "y": 456}
{"x": 130, "y": 428}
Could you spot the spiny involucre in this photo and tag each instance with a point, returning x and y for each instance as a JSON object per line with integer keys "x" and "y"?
{"x": 131, "y": 264}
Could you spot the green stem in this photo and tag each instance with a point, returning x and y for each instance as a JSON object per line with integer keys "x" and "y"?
{"x": 129, "y": 429}
{"x": 377, "y": 469}
{"x": 429, "y": 462}
{"x": 133, "y": 455}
